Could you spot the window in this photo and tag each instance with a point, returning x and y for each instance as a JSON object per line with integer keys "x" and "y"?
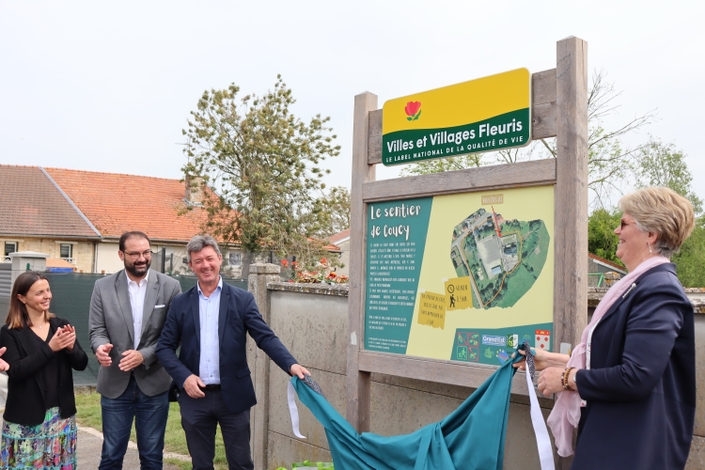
{"x": 10, "y": 247}
{"x": 66, "y": 252}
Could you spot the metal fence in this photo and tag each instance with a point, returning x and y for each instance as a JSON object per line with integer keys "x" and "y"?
{"x": 5, "y": 287}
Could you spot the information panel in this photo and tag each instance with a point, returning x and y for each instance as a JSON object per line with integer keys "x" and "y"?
{"x": 464, "y": 277}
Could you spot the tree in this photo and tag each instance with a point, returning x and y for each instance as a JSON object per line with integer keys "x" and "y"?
{"x": 262, "y": 162}
{"x": 439, "y": 165}
{"x": 689, "y": 260}
{"x": 664, "y": 165}
{"x": 659, "y": 165}
{"x": 602, "y": 240}
{"x": 610, "y": 166}
{"x": 331, "y": 213}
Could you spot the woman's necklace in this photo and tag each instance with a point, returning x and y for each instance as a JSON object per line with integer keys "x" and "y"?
{"x": 39, "y": 326}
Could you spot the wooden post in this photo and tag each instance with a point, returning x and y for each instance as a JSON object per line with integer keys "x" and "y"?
{"x": 571, "y": 192}
{"x": 571, "y": 273}
{"x": 259, "y": 363}
{"x": 358, "y": 383}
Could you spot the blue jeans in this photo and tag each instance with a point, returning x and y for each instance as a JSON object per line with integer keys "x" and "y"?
{"x": 150, "y": 415}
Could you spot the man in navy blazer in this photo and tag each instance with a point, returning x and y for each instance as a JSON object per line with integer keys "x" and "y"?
{"x": 210, "y": 322}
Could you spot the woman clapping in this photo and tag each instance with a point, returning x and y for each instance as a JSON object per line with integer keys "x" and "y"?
{"x": 40, "y": 428}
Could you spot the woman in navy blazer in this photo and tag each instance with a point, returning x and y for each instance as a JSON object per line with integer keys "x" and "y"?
{"x": 629, "y": 385}
{"x": 39, "y": 429}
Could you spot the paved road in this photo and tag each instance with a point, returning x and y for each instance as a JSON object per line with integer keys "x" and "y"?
{"x": 90, "y": 442}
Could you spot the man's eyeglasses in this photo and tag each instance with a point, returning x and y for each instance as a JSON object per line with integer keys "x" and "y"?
{"x": 137, "y": 254}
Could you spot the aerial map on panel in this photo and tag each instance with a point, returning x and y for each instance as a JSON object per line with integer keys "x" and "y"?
{"x": 502, "y": 258}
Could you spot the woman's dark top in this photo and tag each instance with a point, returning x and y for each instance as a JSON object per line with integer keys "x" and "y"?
{"x": 48, "y": 376}
{"x": 34, "y": 368}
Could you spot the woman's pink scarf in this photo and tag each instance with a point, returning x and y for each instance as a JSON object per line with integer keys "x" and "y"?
{"x": 566, "y": 411}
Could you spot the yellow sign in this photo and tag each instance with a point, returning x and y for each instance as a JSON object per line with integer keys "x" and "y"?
{"x": 475, "y": 116}
{"x": 432, "y": 310}
{"x": 458, "y": 294}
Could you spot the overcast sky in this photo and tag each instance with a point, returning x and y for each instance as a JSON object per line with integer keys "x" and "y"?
{"x": 108, "y": 86}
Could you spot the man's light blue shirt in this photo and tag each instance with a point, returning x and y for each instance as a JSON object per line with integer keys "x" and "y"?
{"x": 208, "y": 312}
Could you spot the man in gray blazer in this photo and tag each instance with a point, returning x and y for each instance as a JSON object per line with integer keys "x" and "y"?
{"x": 127, "y": 313}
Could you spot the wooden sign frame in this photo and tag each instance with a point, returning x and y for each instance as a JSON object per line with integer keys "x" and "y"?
{"x": 559, "y": 109}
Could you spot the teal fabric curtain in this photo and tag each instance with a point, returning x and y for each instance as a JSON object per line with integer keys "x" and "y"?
{"x": 472, "y": 437}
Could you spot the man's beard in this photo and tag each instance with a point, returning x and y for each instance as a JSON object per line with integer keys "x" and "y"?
{"x": 135, "y": 270}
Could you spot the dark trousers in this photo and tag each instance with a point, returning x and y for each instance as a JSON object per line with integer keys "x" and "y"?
{"x": 149, "y": 414}
{"x": 199, "y": 417}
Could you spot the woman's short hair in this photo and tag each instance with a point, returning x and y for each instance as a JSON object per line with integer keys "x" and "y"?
{"x": 199, "y": 242}
{"x": 17, "y": 316}
{"x": 664, "y": 212}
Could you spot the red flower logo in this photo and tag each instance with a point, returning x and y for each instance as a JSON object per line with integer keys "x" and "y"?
{"x": 413, "y": 110}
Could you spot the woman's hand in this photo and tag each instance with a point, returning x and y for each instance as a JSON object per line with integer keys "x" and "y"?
{"x": 521, "y": 363}
{"x": 3, "y": 365}
{"x": 549, "y": 381}
{"x": 543, "y": 359}
{"x": 64, "y": 338}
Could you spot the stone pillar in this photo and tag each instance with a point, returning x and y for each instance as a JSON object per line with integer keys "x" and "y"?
{"x": 260, "y": 276}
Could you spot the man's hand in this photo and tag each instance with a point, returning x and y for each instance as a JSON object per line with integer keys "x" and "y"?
{"x": 103, "y": 354}
{"x": 130, "y": 360}
{"x": 299, "y": 371}
{"x": 193, "y": 385}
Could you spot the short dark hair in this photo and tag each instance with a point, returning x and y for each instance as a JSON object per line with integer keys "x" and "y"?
{"x": 126, "y": 235}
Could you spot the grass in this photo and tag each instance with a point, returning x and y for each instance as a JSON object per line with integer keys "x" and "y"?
{"x": 88, "y": 415}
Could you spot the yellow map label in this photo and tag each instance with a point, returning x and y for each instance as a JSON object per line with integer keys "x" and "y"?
{"x": 493, "y": 199}
{"x": 432, "y": 310}
{"x": 458, "y": 293}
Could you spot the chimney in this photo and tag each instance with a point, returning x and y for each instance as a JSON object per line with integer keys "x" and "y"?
{"x": 193, "y": 190}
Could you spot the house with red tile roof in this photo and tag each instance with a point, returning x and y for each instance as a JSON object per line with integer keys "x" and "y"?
{"x": 78, "y": 216}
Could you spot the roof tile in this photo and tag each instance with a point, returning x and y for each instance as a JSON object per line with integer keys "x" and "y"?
{"x": 116, "y": 203}
{"x": 33, "y": 206}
